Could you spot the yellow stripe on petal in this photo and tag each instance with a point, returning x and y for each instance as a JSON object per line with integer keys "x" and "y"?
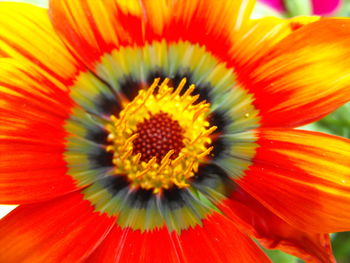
{"x": 26, "y": 34}
{"x": 33, "y": 106}
{"x": 130, "y": 6}
{"x": 304, "y": 76}
{"x": 303, "y": 177}
{"x": 255, "y": 41}
{"x": 93, "y": 28}
{"x": 241, "y": 17}
{"x": 320, "y": 151}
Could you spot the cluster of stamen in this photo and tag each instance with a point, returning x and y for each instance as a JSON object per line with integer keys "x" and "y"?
{"x": 157, "y": 136}
{"x": 160, "y": 138}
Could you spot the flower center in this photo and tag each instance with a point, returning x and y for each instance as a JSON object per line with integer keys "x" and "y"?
{"x": 161, "y": 137}
{"x": 157, "y": 136}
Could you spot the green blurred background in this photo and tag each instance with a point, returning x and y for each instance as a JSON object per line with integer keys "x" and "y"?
{"x": 337, "y": 123}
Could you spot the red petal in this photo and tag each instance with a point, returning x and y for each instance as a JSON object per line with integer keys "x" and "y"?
{"x": 33, "y": 105}
{"x": 62, "y": 230}
{"x": 218, "y": 240}
{"x": 210, "y": 23}
{"x": 92, "y": 29}
{"x": 126, "y": 245}
{"x": 275, "y": 233}
{"x": 33, "y": 108}
{"x": 303, "y": 177}
{"x": 303, "y": 77}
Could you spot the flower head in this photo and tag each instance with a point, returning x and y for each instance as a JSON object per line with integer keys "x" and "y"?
{"x": 318, "y": 7}
{"x": 163, "y": 131}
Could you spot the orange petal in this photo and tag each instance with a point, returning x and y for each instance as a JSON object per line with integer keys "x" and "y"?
{"x": 218, "y": 240}
{"x": 26, "y": 34}
{"x": 33, "y": 108}
{"x": 61, "y": 230}
{"x": 274, "y": 233}
{"x": 255, "y": 41}
{"x": 91, "y": 29}
{"x": 303, "y": 77}
{"x": 303, "y": 177}
{"x": 210, "y": 23}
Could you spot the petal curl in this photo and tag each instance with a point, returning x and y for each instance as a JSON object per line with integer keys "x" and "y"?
{"x": 33, "y": 107}
{"x": 62, "y": 230}
{"x": 273, "y": 232}
{"x": 218, "y": 240}
{"x": 303, "y": 77}
{"x": 303, "y": 177}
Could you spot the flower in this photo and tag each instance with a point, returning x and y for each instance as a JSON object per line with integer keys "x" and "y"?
{"x": 163, "y": 131}
{"x": 318, "y": 7}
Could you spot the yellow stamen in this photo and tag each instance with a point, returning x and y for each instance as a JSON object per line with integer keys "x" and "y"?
{"x": 189, "y": 170}
{"x": 137, "y": 158}
{"x": 128, "y": 141}
{"x": 189, "y": 91}
{"x": 126, "y": 155}
{"x": 190, "y": 102}
{"x": 206, "y": 152}
{"x": 200, "y": 111}
{"x": 165, "y": 161}
{"x": 179, "y": 88}
{"x": 178, "y": 160}
{"x": 209, "y": 131}
{"x": 172, "y": 169}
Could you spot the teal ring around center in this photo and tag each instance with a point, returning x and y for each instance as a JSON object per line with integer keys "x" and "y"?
{"x": 121, "y": 74}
